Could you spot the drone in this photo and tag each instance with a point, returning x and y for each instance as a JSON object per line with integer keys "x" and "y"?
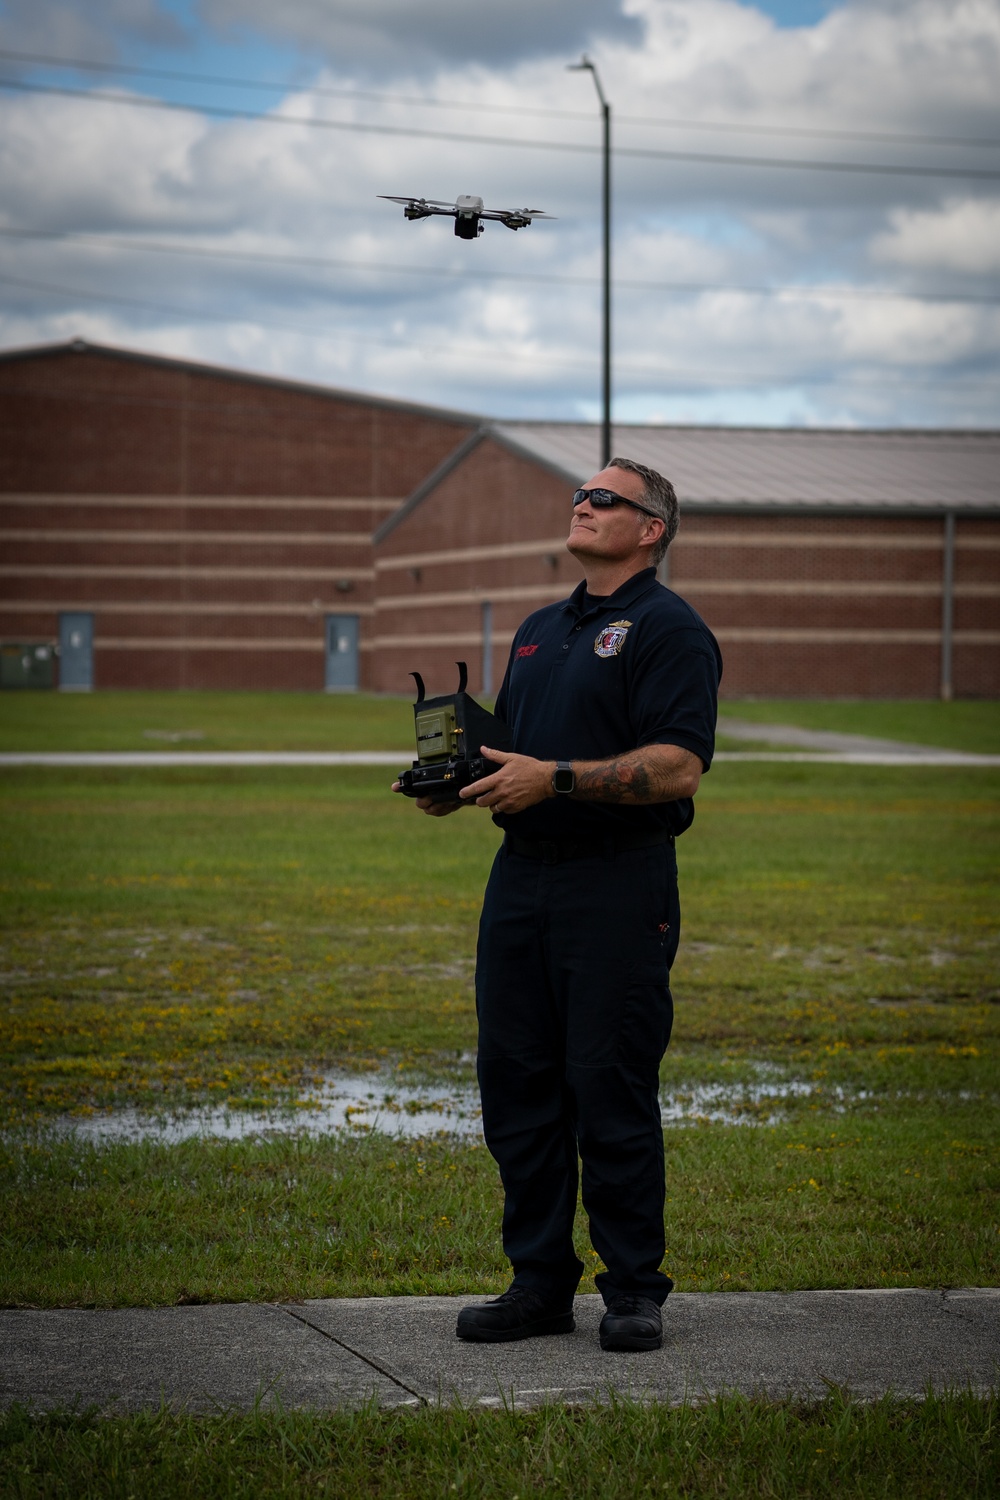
{"x": 468, "y": 213}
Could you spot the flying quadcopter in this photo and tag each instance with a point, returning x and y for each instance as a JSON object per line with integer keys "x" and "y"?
{"x": 468, "y": 213}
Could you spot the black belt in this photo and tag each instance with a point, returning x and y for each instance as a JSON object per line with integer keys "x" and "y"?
{"x": 554, "y": 851}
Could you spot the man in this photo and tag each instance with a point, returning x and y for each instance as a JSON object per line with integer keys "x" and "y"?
{"x": 610, "y": 698}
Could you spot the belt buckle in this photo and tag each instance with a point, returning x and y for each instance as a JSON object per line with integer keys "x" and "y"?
{"x": 548, "y": 852}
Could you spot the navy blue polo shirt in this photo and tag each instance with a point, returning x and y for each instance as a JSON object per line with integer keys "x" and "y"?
{"x": 587, "y": 681}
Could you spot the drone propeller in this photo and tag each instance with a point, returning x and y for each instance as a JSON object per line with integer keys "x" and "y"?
{"x": 468, "y": 213}
{"x": 420, "y": 202}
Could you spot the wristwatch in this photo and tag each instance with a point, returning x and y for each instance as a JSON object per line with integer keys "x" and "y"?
{"x": 563, "y": 778}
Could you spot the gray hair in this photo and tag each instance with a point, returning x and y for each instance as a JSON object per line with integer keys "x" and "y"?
{"x": 658, "y": 494}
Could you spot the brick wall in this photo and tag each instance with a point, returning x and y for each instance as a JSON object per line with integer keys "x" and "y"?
{"x": 803, "y": 606}
{"x": 208, "y": 521}
{"x": 493, "y": 532}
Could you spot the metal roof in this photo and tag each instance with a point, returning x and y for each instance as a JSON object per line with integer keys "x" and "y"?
{"x": 227, "y": 372}
{"x": 786, "y": 467}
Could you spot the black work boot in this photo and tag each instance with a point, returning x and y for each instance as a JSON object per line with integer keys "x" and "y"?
{"x": 632, "y": 1322}
{"x": 518, "y": 1314}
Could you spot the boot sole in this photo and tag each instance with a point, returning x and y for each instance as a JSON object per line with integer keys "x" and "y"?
{"x": 472, "y": 1334}
{"x": 626, "y": 1341}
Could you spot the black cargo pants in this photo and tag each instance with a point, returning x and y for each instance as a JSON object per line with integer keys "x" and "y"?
{"x": 574, "y": 1006}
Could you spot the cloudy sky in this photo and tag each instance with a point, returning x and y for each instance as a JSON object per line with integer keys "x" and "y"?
{"x": 806, "y": 199}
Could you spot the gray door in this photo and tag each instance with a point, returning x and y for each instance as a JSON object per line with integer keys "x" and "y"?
{"x": 76, "y": 653}
{"x": 341, "y": 653}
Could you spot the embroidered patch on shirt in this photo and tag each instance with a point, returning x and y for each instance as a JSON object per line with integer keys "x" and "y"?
{"x": 526, "y": 650}
{"x": 612, "y": 638}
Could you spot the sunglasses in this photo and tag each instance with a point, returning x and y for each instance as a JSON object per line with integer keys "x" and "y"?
{"x": 607, "y": 500}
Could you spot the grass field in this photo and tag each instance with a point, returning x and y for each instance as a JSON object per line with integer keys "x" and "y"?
{"x": 961, "y": 725}
{"x": 205, "y": 721}
{"x": 190, "y": 936}
{"x": 728, "y": 1449}
{"x": 313, "y": 721}
{"x": 177, "y": 937}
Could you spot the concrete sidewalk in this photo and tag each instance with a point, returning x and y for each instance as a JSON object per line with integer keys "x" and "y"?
{"x": 401, "y": 1351}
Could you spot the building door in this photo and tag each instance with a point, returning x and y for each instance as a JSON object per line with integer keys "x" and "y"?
{"x": 342, "y": 653}
{"x": 76, "y": 653}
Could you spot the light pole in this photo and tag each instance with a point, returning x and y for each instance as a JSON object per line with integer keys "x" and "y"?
{"x": 585, "y": 65}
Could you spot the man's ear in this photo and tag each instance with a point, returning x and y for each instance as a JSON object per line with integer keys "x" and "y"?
{"x": 655, "y": 527}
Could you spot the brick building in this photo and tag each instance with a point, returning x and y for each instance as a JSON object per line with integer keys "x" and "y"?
{"x": 174, "y": 525}
{"x": 828, "y": 563}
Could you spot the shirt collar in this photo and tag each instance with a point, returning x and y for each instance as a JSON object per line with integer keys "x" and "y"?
{"x": 632, "y": 589}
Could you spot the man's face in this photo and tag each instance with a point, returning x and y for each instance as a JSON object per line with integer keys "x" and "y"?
{"x": 613, "y": 535}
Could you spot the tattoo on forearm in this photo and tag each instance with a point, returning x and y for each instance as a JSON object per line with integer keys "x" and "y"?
{"x": 629, "y": 778}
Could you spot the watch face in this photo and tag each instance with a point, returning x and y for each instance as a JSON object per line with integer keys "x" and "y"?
{"x": 563, "y": 779}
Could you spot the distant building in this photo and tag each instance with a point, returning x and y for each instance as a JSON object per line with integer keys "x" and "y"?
{"x": 205, "y": 528}
{"x": 828, "y": 563}
{"x": 174, "y": 525}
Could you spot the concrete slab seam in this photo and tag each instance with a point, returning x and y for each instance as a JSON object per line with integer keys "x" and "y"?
{"x": 365, "y": 1358}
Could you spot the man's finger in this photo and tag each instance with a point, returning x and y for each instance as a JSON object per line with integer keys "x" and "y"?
{"x": 477, "y": 788}
{"x": 500, "y": 756}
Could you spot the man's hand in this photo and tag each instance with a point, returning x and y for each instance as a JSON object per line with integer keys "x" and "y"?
{"x": 652, "y": 774}
{"x": 428, "y": 805}
{"x": 520, "y": 782}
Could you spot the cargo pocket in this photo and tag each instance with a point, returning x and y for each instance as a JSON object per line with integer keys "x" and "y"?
{"x": 647, "y": 1015}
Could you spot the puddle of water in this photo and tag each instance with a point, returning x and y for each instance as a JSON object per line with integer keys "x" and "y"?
{"x": 358, "y": 1104}
{"x": 346, "y": 1102}
{"x": 730, "y": 1104}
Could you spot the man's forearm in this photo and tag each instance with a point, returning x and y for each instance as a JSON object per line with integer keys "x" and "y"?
{"x": 653, "y": 773}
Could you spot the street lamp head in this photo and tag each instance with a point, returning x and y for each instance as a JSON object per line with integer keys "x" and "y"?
{"x": 586, "y": 66}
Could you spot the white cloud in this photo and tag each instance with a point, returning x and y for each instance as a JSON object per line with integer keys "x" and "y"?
{"x": 512, "y": 346}
{"x": 963, "y": 235}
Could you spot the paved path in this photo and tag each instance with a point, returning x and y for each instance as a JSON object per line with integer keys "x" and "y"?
{"x": 403, "y": 1351}
{"x": 822, "y": 739}
{"x": 828, "y": 747}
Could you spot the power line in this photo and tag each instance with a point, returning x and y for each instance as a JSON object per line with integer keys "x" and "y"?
{"x": 481, "y": 107}
{"x": 321, "y": 262}
{"x": 704, "y": 158}
{"x": 483, "y": 352}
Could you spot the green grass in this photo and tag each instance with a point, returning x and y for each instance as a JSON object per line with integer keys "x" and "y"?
{"x": 186, "y": 937}
{"x": 313, "y": 721}
{"x": 901, "y": 1197}
{"x": 204, "y": 721}
{"x": 962, "y": 725}
{"x": 177, "y": 937}
{"x": 727, "y": 1449}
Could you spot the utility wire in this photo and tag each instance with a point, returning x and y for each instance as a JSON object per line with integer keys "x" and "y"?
{"x": 482, "y": 352}
{"x": 263, "y": 257}
{"x": 705, "y": 158}
{"x": 481, "y": 107}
